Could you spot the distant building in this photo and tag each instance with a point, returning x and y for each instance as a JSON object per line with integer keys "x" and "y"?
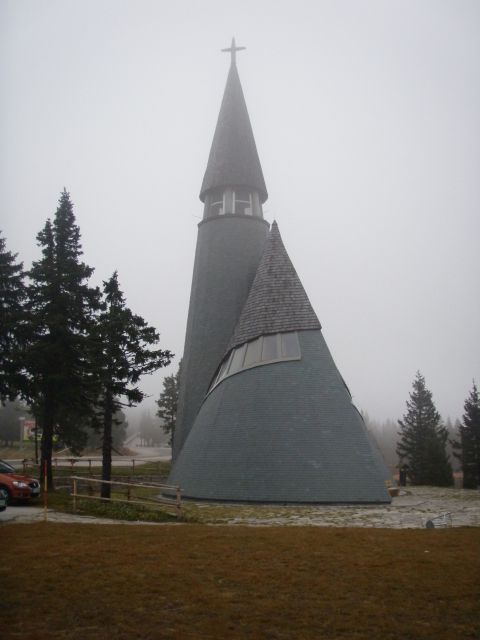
{"x": 264, "y": 414}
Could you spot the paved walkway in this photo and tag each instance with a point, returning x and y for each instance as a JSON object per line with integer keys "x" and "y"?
{"x": 27, "y": 514}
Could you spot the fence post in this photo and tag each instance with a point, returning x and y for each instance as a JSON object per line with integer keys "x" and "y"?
{"x": 133, "y": 466}
{"x": 45, "y": 490}
{"x": 74, "y": 494}
{"x": 179, "y": 508}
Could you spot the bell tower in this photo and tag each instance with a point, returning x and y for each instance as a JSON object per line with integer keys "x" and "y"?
{"x": 230, "y": 243}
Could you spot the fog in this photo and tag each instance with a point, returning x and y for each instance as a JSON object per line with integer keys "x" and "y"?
{"x": 366, "y": 118}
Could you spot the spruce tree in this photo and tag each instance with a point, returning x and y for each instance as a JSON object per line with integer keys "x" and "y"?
{"x": 119, "y": 433}
{"x": 13, "y": 328}
{"x": 122, "y": 356}
{"x": 423, "y": 439}
{"x": 168, "y": 403}
{"x": 61, "y": 308}
{"x": 469, "y": 446}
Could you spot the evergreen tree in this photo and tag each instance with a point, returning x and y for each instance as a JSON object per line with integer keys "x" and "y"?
{"x": 423, "y": 439}
{"x": 61, "y": 308}
{"x": 119, "y": 433}
{"x": 150, "y": 435}
{"x": 468, "y": 449}
{"x": 12, "y": 324}
{"x": 122, "y": 357}
{"x": 168, "y": 402}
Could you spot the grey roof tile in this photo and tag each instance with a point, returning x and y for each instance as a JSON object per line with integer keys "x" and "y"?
{"x": 282, "y": 432}
{"x": 233, "y": 159}
{"x": 277, "y": 301}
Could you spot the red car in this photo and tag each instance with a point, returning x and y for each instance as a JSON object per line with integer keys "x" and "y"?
{"x": 16, "y": 485}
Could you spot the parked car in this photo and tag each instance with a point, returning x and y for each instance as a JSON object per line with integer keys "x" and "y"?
{"x": 17, "y": 485}
{"x": 3, "y": 500}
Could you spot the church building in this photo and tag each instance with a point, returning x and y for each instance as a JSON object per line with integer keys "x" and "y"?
{"x": 264, "y": 414}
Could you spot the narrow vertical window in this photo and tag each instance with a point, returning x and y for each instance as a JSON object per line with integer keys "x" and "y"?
{"x": 242, "y": 202}
{"x": 237, "y": 359}
{"x": 290, "y": 346}
{"x": 269, "y": 350}
{"x": 254, "y": 352}
{"x": 227, "y": 365}
{"x": 217, "y": 203}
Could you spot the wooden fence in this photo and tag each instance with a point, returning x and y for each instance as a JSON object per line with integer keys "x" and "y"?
{"x": 84, "y": 462}
{"x": 160, "y": 500}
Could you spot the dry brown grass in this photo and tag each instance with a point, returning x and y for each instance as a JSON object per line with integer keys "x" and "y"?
{"x": 195, "y": 581}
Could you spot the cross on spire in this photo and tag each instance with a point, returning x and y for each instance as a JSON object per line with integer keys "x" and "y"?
{"x": 233, "y": 51}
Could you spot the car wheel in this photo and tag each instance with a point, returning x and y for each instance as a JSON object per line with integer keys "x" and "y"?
{"x": 4, "y": 493}
{"x": 7, "y": 493}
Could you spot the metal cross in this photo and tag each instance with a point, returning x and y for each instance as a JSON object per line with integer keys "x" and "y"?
{"x": 233, "y": 50}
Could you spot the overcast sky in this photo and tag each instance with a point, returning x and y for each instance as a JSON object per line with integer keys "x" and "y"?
{"x": 366, "y": 118}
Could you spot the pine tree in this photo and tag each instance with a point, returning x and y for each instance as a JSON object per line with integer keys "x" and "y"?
{"x": 168, "y": 403}
{"x": 61, "y": 307}
{"x": 149, "y": 433}
{"x": 119, "y": 433}
{"x": 13, "y": 328}
{"x": 122, "y": 357}
{"x": 469, "y": 446}
{"x": 423, "y": 439}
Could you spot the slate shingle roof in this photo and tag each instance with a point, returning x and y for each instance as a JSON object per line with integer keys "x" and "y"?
{"x": 233, "y": 159}
{"x": 277, "y": 301}
{"x": 282, "y": 432}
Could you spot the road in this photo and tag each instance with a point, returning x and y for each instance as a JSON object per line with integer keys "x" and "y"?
{"x": 139, "y": 455}
{"x": 35, "y": 512}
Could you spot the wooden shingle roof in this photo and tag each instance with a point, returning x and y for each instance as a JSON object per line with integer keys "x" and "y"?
{"x": 277, "y": 301}
{"x": 233, "y": 159}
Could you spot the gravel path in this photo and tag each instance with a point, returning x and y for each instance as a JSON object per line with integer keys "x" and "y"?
{"x": 410, "y": 510}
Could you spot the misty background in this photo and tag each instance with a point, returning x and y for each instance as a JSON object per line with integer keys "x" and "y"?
{"x": 366, "y": 118}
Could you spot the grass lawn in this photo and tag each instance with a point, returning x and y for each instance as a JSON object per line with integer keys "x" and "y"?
{"x": 197, "y": 582}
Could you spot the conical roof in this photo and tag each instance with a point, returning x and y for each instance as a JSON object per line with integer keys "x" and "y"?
{"x": 233, "y": 159}
{"x": 277, "y": 301}
{"x": 282, "y": 432}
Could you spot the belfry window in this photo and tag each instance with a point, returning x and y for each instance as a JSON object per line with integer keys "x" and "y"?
{"x": 216, "y": 203}
{"x": 275, "y": 347}
{"x": 234, "y": 201}
{"x": 242, "y": 202}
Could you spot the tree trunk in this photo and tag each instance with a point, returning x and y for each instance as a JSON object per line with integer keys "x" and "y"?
{"x": 36, "y": 442}
{"x": 107, "y": 447}
{"x": 46, "y": 448}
